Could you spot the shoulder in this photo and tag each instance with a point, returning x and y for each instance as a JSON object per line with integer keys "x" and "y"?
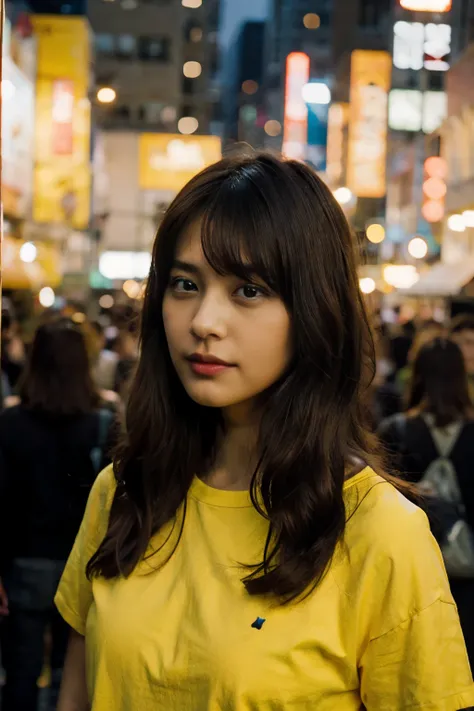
{"x": 104, "y": 487}
{"x": 392, "y": 558}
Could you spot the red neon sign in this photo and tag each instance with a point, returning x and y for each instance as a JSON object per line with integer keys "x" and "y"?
{"x": 295, "y": 127}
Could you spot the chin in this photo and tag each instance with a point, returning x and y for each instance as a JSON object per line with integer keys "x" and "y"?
{"x": 207, "y": 395}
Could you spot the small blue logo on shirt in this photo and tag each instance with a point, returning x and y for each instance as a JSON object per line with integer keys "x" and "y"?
{"x": 258, "y": 624}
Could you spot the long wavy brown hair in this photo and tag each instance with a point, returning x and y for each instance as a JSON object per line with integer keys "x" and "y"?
{"x": 280, "y": 217}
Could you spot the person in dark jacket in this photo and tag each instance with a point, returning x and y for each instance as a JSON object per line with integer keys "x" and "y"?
{"x": 439, "y": 411}
{"x": 52, "y": 446}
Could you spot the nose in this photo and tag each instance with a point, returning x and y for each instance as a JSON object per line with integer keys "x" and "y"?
{"x": 211, "y": 318}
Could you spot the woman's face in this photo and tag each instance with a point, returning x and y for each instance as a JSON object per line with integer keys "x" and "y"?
{"x": 229, "y": 340}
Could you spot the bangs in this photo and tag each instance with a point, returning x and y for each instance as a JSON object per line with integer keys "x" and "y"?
{"x": 240, "y": 236}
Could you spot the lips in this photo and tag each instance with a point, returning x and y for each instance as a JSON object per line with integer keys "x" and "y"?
{"x": 206, "y": 365}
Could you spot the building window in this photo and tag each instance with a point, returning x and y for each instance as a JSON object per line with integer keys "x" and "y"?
{"x": 104, "y": 44}
{"x": 188, "y": 86}
{"x": 436, "y": 81}
{"x": 153, "y": 49}
{"x": 122, "y": 112}
{"x": 192, "y": 32}
{"x": 126, "y": 46}
{"x": 373, "y": 12}
{"x": 153, "y": 112}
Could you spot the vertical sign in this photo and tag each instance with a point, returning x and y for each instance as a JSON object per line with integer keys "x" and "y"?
{"x": 336, "y": 147}
{"x": 317, "y": 136}
{"x": 295, "y": 125}
{"x": 367, "y": 153}
{"x": 62, "y": 173}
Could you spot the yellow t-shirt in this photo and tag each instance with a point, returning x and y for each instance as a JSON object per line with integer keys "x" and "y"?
{"x": 380, "y": 630}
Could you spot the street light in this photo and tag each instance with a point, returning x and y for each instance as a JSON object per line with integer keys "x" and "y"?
{"x": 106, "y": 95}
{"x": 343, "y": 196}
{"x": 418, "y": 248}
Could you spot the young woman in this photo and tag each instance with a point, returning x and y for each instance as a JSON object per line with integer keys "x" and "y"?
{"x": 241, "y": 555}
{"x": 52, "y": 445}
{"x": 439, "y": 422}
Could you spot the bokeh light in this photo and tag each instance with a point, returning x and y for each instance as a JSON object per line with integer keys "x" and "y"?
{"x": 273, "y": 128}
{"x": 367, "y": 285}
{"x": 28, "y": 252}
{"x": 192, "y": 70}
{"x": 188, "y": 125}
{"x": 250, "y": 86}
{"x": 311, "y": 21}
{"x": 106, "y": 301}
{"x": 375, "y": 233}
{"x": 418, "y": 248}
{"x": 46, "y": 297}
{"x": 343, "y": 196}
{"x": 456, "y": 223}
{"x": 106, "y": 95}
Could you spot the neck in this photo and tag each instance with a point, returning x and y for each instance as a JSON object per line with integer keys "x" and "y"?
{"x": 236, "y": 457}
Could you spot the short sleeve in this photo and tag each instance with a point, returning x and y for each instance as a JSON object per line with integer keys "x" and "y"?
{"x": 422, "y": 664}
{"x": 414, "y": 655}
{"x": 74, "y": 595}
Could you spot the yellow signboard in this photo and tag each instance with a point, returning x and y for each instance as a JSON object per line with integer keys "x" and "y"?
{"x": 367, "y": 154}
{"x": 62, "y": 176}
{"x": 338, "y": 121}
{"x": 168, "y": 161}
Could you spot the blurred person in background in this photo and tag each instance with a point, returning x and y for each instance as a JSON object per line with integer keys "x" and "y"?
{"x": 52, "y": 445}
{"x": 426, "y": 331}
{"x": 400, "y": 344}
{"x": 12, "y": 352}
{"x": 242, "y": 552}
{"x": 104, "y": 360}
{"x": 128, "y": 351}
{"x": 462, "y": 331}
{"x": 439, "y": 425}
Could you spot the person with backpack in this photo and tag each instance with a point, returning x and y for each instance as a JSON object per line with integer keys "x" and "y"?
{"x": 433, "y": 446}
{"x": 52, "y": 446}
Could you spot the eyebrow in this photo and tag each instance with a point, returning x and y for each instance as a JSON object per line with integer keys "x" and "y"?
{"x": 186, "y": 266}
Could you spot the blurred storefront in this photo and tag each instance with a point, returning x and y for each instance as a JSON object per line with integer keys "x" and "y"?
{"x": 136, "y": 175}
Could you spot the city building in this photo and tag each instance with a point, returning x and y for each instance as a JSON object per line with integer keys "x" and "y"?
{"x": 294, "y": 26}
{"x": 243, "y": 98}
{"x": 156, "y": 64}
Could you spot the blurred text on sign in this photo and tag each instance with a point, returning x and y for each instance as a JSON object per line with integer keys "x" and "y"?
{"x": 168, "y": 161}
{"x": 370, "y": 82}
{"x": 62, "y": 162}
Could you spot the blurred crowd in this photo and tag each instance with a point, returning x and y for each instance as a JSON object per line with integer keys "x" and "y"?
{"x": 62, "y": 403}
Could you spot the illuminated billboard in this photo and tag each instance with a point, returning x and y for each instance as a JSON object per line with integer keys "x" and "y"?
{"x": 168, "y": 161}
{"x": 18, "y": 116}
{"x": 417, "y": 46}
{"x": 367, "y": 152}
{"x": 337, "y": 128}
{"x": 413, "y": 110}
{"x": 427, "y": 5}
{"x": 62, "y": 175}
{"x": 295, "y": 125}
